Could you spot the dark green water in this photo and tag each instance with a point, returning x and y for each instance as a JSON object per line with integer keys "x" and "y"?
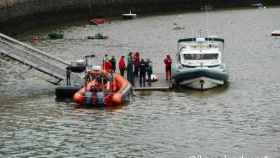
{"x": 242, "y": 119}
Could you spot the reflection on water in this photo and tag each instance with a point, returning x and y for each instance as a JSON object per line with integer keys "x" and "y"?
{"x": 241, "y": 119}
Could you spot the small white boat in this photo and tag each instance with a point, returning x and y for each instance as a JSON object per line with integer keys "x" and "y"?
{"x": 258, "y": 5}
{"x": 199, "y": 64}
{"x": 97, "y": 36}
{"x": 130, "y": 15}
{"x": 275, "y": 33}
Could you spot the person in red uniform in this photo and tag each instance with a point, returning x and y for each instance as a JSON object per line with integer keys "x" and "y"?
{"x": 108, "y": 66}
{"x": 122, "y": 65}
{"x": 168, "y": 63}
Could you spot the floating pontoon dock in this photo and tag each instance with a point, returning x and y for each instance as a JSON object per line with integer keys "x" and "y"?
{"x": 160, "y": 85}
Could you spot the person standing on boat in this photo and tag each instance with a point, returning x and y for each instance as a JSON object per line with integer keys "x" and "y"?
{"x": 136, "y": 63}
{"x": 122, "y": 65}
{"x": 168, "y": 63}
{"x": 129, "y": 68}
{"x": 142, "y": 68}
{"x": 68, "y": 76}
{"x": 149, "y": 70}
{"x": 113, "y": 62}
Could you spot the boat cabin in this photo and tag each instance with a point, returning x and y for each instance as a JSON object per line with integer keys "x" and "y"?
{"x": 199, "y": 53}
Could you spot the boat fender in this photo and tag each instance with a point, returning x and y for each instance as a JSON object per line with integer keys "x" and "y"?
{"x": 88, "y": 99}
{"x": 100, "y": 98}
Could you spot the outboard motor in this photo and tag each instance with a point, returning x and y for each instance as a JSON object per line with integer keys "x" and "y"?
{"x": 78, "y": 66}
{"x": 100, "y": 98}
{"x": 88, "y": 99}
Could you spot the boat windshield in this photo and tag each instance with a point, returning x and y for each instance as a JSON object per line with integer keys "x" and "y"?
{"x": 201, "y": 56}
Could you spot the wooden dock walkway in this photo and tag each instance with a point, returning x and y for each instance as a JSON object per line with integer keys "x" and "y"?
{"x": 34, "y": 58}
{"x": 160, "y": 85}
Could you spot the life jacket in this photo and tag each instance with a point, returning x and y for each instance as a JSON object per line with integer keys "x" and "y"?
{"x": 167, "y": 62}
{"x": 122, "y": 64}
{"x": 136, "y": 60}
{"x": 108, "y": 66}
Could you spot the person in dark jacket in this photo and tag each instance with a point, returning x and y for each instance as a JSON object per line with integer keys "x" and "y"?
{"x": 142, "y": 68}
{"x": 113, "y": 62}
{"x": 149, "y": 70}
{"x": 68, "y": 76}
{"x": 129, "y": 68}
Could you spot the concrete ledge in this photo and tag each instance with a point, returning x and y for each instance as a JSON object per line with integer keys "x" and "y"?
{"x": 10, "y": 9}
{"x": 20, "y": 12}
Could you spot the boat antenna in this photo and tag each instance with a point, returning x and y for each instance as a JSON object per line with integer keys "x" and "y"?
{"x": 200, "y": 33}
{"x": 205, "y": 7}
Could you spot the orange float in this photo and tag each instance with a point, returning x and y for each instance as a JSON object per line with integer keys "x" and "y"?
{"x": 103, "y": 89}
{"x": 98, "y": 21}
{"x": 35, "y": 39}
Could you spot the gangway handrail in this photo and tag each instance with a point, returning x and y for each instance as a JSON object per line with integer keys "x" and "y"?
{"x": 34, "y": 49}
{"x": 41, "y": 69}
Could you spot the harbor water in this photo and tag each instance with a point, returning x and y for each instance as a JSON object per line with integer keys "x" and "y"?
{"x": 242, "y": 119}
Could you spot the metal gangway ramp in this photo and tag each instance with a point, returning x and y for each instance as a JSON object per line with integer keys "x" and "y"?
{"x": 34, "y": 58}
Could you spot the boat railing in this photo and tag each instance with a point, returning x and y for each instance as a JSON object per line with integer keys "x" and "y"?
{"x": 211, "y": 42}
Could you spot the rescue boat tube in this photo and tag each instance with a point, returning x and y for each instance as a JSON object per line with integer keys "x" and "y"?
{"x": 80, "y": 96}
{"x": 123, "y": 89}
{"x": 108, "y": 94}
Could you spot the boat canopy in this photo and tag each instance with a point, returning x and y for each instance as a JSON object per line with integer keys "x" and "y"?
{"x": 201, "y": 39}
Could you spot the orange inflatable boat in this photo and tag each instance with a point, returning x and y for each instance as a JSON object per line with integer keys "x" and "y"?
{"x": 103, "y": 89}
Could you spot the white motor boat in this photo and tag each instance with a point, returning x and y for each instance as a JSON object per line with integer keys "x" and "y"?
{"x": 259, "y": 5}
{"x": 199, "y": 63}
